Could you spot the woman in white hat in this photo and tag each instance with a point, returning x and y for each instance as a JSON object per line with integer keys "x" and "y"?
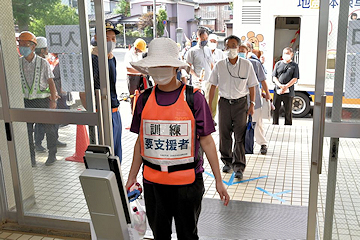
{"x": 170, "y": 134}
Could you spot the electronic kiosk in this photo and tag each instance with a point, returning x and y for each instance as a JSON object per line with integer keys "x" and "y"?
{"x": 105, "y": 194}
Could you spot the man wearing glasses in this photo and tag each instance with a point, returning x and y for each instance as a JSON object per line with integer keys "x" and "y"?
{"x": 235, "y": 78}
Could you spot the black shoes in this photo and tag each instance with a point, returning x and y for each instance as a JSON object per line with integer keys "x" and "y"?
{"x": 50, "y": 161}
{"x": 226, "y": 169}
{"x": 40, "y": 148}
{"x": 239, "y": 175}
{"x": 263, "y": 149}
{"x": 60, "y": 144}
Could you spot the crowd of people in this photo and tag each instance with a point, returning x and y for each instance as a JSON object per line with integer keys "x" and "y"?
{"x": 175, "y": 118}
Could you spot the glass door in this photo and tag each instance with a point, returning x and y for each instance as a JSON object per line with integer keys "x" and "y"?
{"x": 38, "y": 191}
{"x": 334, "y": 195}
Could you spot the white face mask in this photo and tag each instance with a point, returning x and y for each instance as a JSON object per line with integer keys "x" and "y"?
{"x": 232, "y": 53}
{"x": 110, "y": 46}
{"x": 286, "y": 57}
{"x": 212, "y": 45}
{"x": 162, "y": 75}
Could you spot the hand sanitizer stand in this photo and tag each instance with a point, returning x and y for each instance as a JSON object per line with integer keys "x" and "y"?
{"x": 105, "y": 195}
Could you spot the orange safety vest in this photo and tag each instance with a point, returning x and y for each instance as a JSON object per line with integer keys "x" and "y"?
{"x": 167, "y": 141}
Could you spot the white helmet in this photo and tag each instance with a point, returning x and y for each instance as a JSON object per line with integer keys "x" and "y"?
{"x": 41, "y": 42}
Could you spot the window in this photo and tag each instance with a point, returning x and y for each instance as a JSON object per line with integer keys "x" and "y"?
{"x": 207, "y": 22}
{"x": 210, "y": 8}
{"x": 227, "y": 8}
{"x": 147, "y": 9}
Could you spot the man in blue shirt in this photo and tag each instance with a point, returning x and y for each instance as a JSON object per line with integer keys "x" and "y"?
{"x": 111, "y": 33}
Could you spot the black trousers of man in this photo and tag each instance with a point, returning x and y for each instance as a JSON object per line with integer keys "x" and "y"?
{"x": 136, "y": 82}
{"x": 232, "y": 119}
{"x": 183, "y": 203}
{"x": 287, "y": 100}
{"x": 50, "y": 130}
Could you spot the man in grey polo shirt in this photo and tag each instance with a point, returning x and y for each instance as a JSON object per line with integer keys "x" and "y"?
{"x": 200, "y": 57}
{"x": 235, "y": 78}
{"x": 257, "y": 117}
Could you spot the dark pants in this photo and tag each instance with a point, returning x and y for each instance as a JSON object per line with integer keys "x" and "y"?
{"x": 50, "y": 129}
{"x": 39, "y": 127}
{"x": 232, "y": 119}
{"x": 183, "y": 203}
{"x": 287, "y": 100}
{"x": 117, "y": 128}
{"x": 135, "y": 82}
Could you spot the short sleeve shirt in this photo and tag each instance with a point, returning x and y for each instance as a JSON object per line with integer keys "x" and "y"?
{"x": 235, "y": 80}
{"x": 29, "y": 71}
{"x": 285, "y": 72}
{"x": 200, "y": 57}
{"x": 260, "y": 74}
{"x": 218, "y": 55}
{"x": 202, "y": 114}
{"x": 131, "y": 56}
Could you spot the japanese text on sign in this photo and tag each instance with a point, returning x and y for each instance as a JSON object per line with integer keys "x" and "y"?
{"x": 167, "y": 139}
{"x": 71, "y": 72}
{"x": 63, "y": 38}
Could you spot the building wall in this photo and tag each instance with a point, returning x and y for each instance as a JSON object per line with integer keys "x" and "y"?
{"x": 219, "y": 15}
{"x": 185, "y": 14}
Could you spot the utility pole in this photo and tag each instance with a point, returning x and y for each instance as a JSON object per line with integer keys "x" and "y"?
{"x": 154, "y": 18}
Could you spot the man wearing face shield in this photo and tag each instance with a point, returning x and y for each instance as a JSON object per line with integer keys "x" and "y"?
{"x": 39, "y": 91}
{"x": 285, "y": 75}
{"x": 134, "y": 78}
{"x": 235, "y": 78}
{"x": 111, "y": 33}
{"x": 170, "y": 134}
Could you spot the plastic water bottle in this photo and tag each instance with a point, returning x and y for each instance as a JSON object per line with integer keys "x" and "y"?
{"x": 202, "y": 75}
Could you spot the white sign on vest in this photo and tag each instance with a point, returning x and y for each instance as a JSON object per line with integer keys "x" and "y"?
{"x": 63, "y": 38}
{"x": 71, "y": 72}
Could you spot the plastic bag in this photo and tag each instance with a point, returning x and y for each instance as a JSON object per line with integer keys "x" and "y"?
{"x": 138, "y": 217}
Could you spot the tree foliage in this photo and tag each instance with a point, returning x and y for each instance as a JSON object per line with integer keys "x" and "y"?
{"x": 26, "y": 10}
{"x": 123, "y": 7}
{"x": 146, "y": 23}
{"x": 58, "y": 15}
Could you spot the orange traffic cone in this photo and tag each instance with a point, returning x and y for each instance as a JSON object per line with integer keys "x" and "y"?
{"x": 136, "y": 96}
{"x": 82, "y": 142}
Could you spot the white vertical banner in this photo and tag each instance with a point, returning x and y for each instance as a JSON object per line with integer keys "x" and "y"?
{"x": 352, "y": 80}
{"x": 71, "y": 72}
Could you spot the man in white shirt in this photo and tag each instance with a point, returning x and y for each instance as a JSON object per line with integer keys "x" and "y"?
{"x": 134, "y": 77}
{"x": 235, "y": 78}
{"x": 200, "y": 57}
{"x": 217, "y": 55}
{"x": 39, "y": 91}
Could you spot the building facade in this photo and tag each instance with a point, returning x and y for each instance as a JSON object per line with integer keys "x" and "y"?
{"x": 214, "y": 14}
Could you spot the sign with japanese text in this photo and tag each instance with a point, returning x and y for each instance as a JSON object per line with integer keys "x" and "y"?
{"x": 71, "y": 72}
{"x": 63, "y": 38}
{"x": 352, "y": 80}
{"x": 167, "y": 139}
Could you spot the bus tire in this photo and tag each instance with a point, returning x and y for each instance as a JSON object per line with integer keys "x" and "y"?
{"x": 301, "y": 105}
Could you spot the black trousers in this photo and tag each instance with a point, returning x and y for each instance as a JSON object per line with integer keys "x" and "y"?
{"x": 287, "y": 100}
{"x": 183, "y": 203}
{"x": 50, "y": 129}
{"x": 232, "y": 119}
{"x": 136, "y": 82}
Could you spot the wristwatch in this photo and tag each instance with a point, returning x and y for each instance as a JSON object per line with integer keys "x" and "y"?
{"x": 252, "y": 103}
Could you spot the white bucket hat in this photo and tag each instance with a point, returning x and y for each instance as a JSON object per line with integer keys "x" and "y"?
{"x": 163, "y": 52}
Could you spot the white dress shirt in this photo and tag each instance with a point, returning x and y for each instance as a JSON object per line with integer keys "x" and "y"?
{"x": 235, "y": 80}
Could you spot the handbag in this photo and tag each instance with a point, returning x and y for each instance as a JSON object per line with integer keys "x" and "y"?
{"x": 249, "y": 136}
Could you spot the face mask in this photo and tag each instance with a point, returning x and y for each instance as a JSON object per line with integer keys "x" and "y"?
{"x": 25, "y": 51}
{"x": 242, "y": 55}
{"x": 203, "y": 43}
{"x": 286, "y": 57}
{"x": 162, "y": 75}
{"x": 110, "y": 46}
{"x": 46, "y": 55}
{"x": 212, "y": 46}
{"x": 233, "y": 53}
